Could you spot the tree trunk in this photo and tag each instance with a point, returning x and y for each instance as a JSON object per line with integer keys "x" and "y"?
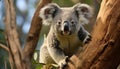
{"x": 21, "y": 59}
{"x": 34, "y": 31}
{"x": 103, "y": 52}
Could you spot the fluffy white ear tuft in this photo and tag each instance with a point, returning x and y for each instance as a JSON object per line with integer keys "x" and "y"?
{"x": 48, "y": 12}
{"x": 84, "y": 12}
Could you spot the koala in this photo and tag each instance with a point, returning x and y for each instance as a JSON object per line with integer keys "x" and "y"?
{"x": 66, "y": 34}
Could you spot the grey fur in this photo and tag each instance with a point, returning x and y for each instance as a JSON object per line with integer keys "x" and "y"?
{"x": 66, "y": 34}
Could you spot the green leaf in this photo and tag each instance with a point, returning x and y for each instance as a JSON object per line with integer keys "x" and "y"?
{"x": 39, "y": 66}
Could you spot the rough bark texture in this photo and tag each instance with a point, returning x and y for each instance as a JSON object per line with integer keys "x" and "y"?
{"x": 34, "y": 33}
{"x": 103, "y": 52}
{"x": 12, "y": 35}
{"x": 21, "y": 59}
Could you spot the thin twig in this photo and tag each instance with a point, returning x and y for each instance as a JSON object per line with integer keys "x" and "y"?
{"x": 4, "y": 47}
{"x": 10, "y": 55}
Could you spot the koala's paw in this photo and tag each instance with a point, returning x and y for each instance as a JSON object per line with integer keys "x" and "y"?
{"x": 87, "y": 39}
{"x": 63, "y": 63}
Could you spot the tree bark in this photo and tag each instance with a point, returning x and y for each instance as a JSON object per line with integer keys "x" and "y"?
{"x": 33, "y": 34}
{"x": 21, "y": 59}
{"x": 12, "y": 35}
{"x": 34, "y": 31}
{"x": 103, "y": 52}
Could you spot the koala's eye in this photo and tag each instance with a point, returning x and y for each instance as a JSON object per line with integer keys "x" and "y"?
{"x": 72, "y": 22}
{"x": 59, "y": 22}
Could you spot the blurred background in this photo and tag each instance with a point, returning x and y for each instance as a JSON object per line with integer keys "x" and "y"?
{"x": 24, "y": 12}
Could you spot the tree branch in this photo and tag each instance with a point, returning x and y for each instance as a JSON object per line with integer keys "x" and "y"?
{"x": 34, "y": 32}
{"x": 4, "y": 47}
{"x": 12, "y": 35}
{"x": 103, "y": 52}
{"x": 10, "y": 55}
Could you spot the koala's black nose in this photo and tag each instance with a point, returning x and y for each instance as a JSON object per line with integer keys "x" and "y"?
{"x": 66, "y": 26}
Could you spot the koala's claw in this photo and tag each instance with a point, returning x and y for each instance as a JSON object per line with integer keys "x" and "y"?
{"x": 63, "y": 63}
{"x": 87, "y": 39}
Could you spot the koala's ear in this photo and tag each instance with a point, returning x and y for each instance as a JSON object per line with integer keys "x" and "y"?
{"x": 84, "y": 12}
{"x": 48, "y": 12}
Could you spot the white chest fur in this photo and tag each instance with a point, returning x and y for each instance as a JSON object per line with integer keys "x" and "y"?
{"x": 69, "y": 44}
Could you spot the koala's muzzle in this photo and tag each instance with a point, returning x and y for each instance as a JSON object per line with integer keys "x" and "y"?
{"x": 66, "y": 27}
{"x": 66, "y": 30}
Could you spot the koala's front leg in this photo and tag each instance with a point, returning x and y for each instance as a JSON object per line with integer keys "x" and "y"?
{"x": 56, "y": 52}
{"x": 84, "y": 35}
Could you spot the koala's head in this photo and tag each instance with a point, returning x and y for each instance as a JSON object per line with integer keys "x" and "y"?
{"x": 66, "y": 20}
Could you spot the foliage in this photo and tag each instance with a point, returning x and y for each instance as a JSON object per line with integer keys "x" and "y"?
{"x": 87, "y": 1}
{"x": 64, "y": 2}
{"x": 3, "y": 54}
{"x": 2, "y": 37}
